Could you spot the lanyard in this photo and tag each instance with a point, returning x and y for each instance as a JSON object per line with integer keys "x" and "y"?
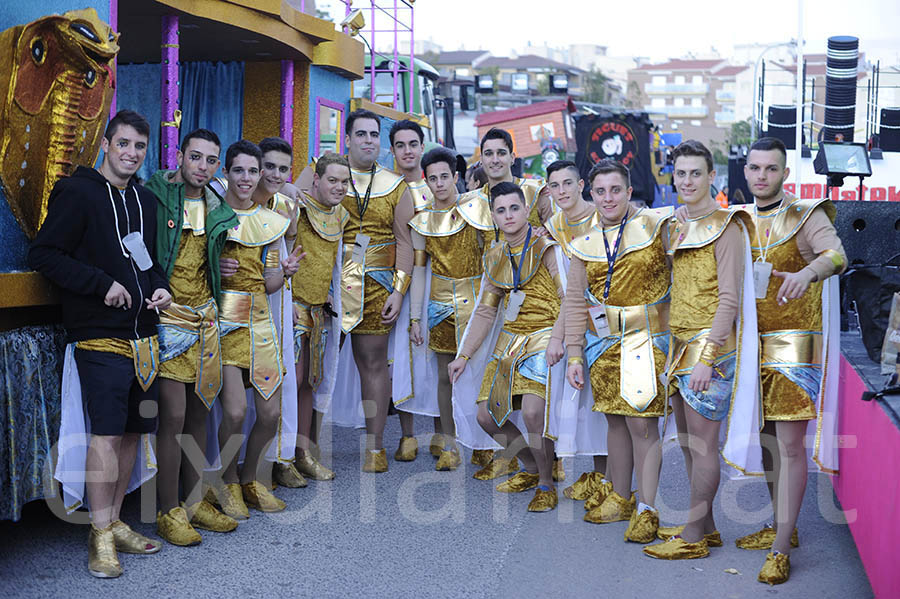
{"x": 517, "y": 271}
{"x": 611, "y": 258}
{"x": 764, "y": 251}
{"x": 363, "y": 205}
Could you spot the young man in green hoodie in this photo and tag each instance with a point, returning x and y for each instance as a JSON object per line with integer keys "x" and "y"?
{"x": 192, "y": 223}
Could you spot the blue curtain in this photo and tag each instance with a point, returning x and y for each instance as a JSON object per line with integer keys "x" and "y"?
{"x": 211, "y": 96}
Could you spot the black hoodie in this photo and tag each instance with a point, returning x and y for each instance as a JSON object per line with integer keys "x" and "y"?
{"x": 79, "y": 249}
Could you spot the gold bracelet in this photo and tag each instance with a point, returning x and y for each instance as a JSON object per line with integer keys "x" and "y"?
{"x": 575, "y": 360}
{"x": 412, "y": 320}
{"x": 709, "y": 353}
{"x": 464, "y": 357}
{"x": 420, "y": 258}
{"x": 401, "y": 281}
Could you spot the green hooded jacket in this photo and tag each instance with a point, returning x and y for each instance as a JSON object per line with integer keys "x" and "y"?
{"x": 219, "y": 218}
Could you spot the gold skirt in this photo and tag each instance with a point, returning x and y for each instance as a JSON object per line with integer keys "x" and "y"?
{"x": 784, "y": 400}
{"x": 520, "y": 386}
{"x": 236, "y": 348}
{"x": 442, "y": 338}
{"x": 375, "y": 297}
{"x": 605, "y": 385}
{"x": 183, "y": 367}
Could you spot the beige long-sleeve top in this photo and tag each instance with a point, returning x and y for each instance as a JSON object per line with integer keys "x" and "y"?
{"x": 816, "y": 236}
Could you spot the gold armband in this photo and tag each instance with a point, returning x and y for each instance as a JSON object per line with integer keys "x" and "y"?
{"x": 709, "y": 353}
{"x": 557, "y": 280}
{"x": 273, "y": 259}
{"x": 491, "y": 299}
{"x": 420, "y": 257}
{"x": 401, "y": 281}
{"x": 575, "y": 360}
{"x": 836, "y": 260}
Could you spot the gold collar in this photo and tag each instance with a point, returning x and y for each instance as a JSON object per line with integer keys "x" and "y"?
{"x": 564, "y": 231}
{"x": 498, "y": 266}
{"x": 329, "y": 223}
{"x": 434, "y": 222}
{"x": 194, "y": 215}
{"x": 421, "y": 195}
{"x": 385, "y": 182}
{"x": 641, "y": 229}
{"x": 780, "y": 225}
{"x": 257, "y": 226}
{"x": 699, "y": 232}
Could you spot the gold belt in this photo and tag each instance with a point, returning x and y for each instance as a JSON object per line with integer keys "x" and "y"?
{"x": 312, "y": 322}
{"x": 511, "y": 349}
{"x": 204, "y": 320}
{"x": 460, "y": 293}
{"x": 791, "y": 348}
{"x": 635, "y": 327}
{"x": 252, "y": 310}
{"x": 378, "y": 257}
{"x": 684, "y": 355}
{"x": 144, "y": 353}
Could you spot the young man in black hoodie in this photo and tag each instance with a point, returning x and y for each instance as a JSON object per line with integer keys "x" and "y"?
{"x": 110, "y": 298}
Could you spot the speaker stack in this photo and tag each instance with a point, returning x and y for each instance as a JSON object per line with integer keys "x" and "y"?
{"x": 869, "y": 231}
{"x": 783, "y": 124}
{"x": 889, "y": 134}
{"x": 841, "y": 63}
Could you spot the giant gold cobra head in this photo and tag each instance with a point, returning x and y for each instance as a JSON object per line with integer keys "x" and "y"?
{"x": 59, "y": 77}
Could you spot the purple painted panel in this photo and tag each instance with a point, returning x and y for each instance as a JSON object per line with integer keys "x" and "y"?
{"x": 169, "y": 84}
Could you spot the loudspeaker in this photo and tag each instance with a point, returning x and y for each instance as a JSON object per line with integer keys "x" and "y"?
{"x": 889, "y": 134}
{"x": 870, "y": 231}
{"x": 783, "y": 124}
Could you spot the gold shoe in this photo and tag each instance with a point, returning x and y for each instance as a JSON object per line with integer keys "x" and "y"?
{"x": 678, "y": 548}
{"x": 559, "y": 471}
{"x": 496, "y": 468}
{"x": 286, "y": 475}
{"x": 257, "y": 496}
{"x": 376, "y": 461}
{"x": 230, "y": 499}
{"x": 776, "y": 570}
{"x": 518, "y": 482}
{"x": 408, "y": 450}
{"x": 175, "y": 528}
{"x": 128, "y": 541}
{"x": 614, "y": 508}
{"x": 713, "y": 539}
{"x": 642, "y": 526}
{"x": 436, "y": 446}
{"x": 763, "y": 539}
{"x": 203, "y": 515}
{"x": 449, "y": 460}
{"x": 310, "y": 467}
{"x": 482, "y": 457}
{"x": 584, "y": 487}
{"x": 102, "y": 559}
{"x": 544, "y": 500}
{"x": 603, "y": 489}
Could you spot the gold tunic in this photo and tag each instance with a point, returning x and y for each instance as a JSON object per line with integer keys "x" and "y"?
{"x": 456, "y": 267}
{"x": 637, "y": 310}
{"x": 362, "y": 297}
{"x": 527, "y": 335}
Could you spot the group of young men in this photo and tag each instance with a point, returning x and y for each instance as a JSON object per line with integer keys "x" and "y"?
{"x": 530, "y": 323}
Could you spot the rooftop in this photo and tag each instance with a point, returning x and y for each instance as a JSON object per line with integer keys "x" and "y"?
{"x": 680, "y": 64}
{"x": 527, "y": 61}
{"x": 521, "y": 112}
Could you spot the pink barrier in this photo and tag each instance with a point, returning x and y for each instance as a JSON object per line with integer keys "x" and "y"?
{"x": 869, "y": 482}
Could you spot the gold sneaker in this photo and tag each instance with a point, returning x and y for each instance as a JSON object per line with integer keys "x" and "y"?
{"x": 449, "y": 460}
{"x": 230, "y": 499}
{"x": 175, "y": 528}
{"x": 128, "y": 541}
{"x": 407, "y": 450}
{"x": 584, "y": 487}
{"x": 102, "y": 559}
{"x": 482, "y": 457}
{"x": 496, "y": 468}
{"x": 203, "y": 515}
{"x": 310, "y": 467}
{"x": 776, "y": 570}
{"x": 664, "y": 533}
{"x": 544, "y": 500}
{"x": 286, "y": 475}
{"x": 604, "y": 488}
{"x": 642, "y": 526}
{"x": 614, "y": 508}
{"x": 763, "y": 539}
{"x": 519, "y": 482}
{"x": 559, "y": 471}
{"x": 436, "y": 446}
{"x": 257, "y": 496}
{"x": 678, "y": 548}
{"x": 376, "y": 461}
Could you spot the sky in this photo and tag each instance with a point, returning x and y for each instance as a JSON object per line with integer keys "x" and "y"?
{"x": 658, "y": 29}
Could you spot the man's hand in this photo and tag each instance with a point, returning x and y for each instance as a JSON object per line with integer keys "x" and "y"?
{"x": 228, "y": 267}
{"x": 575, "y": 375}
{"x": 681, "y": 214}
{"x": 291, "y": 264}
{"x": 795, "y": 284}
{"x": 160, "y": 300}
{"x": 456, "y": 368}
{"x": 538, "y": 232}
{"x": 391, "y": 310}
{"x": 415, "y": 333}
{"x": 555, "y": 351}
{"x": 117, "y": 297}
{"x": 291, "y": 214}
{"x": 700, "y": 377}
{"x": 296, "y": 314}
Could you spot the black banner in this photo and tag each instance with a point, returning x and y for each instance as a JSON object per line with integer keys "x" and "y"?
{"x": 622, "y": 137}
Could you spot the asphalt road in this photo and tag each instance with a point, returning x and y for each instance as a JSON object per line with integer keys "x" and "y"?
{"x": 419, "y": 533}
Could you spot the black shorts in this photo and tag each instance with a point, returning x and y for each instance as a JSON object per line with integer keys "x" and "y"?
{"x": 115, "y": 402}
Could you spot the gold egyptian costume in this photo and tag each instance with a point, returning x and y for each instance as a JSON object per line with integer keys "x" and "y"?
{"x": 475, "y": 205}
{"x": 564, "y": 232}
{"x": 517, "y": 365}
{"x": 421, "y": 195}
{"x": 794, "y": 235}
{"x": 455, "y": 249}
{"x": 637, "y": 311}
{"x": 371, "y": 202}
{"x": 249, "y": 337}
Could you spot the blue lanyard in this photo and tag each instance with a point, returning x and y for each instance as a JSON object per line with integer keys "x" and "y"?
{"x": 611, "y": 258}
{"x": 517, "y": 271}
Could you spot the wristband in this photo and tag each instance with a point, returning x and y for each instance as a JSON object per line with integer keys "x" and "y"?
{"x": 709, "y": 353}
{"x": 575, "y": 360}
{"x": 401, "y": 281}
{"x": 464, "y": 357}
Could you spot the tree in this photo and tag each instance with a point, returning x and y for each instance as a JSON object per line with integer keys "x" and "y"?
{"x": 740, "y": 134}
{"x": 596, "y": 87}
{"x": 543, "y": 84}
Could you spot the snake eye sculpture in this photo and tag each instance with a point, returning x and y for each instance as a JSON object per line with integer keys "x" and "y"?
{"x": 59, "y": 77}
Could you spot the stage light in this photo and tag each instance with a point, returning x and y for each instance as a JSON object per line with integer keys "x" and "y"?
{"x": 839, "y": 160}
{"x": 559, "y": 83}
{"x": 484, "y": 84}
{"x": 519, "y": 82}
{"x": 355, "y": 21}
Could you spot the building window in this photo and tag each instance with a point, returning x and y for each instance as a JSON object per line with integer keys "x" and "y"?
{"x": 679, "y": 79}
{"x": 658, "y": 80}
{"x": 697, "y": 79}
{"x": 696, "y": 101}
{"x": 696, "y": 123}
{"x": 657, "y": 102}
{"x": 329, "y": 127}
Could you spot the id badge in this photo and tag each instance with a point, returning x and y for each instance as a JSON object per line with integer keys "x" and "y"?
{"x": 761, "y": 273}
{"x": 515, "y": 303}
{"x": 601, "y": 322}
{"x": 360, "y": 245}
